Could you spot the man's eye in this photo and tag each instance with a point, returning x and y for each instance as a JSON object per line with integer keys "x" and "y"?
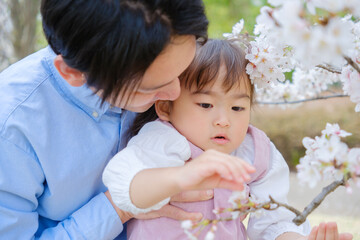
{"x": 238, "y": 109}
{"x": 205, "y": 105}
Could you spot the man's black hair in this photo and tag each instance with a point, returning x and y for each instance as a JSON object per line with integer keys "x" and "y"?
{"x": 113, "y": 42}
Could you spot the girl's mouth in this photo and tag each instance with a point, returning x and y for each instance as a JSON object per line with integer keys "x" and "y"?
{"x": 220, "y": 139}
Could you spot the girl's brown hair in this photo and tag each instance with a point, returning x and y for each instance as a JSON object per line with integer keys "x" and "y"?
{"x": 204, "y": 70}
{"x": 205, "y": 67}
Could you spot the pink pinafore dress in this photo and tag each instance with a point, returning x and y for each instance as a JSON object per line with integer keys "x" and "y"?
{"x": 164, "y": 228}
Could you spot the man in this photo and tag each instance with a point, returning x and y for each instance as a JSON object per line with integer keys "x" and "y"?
{"x": 65, "y": 110}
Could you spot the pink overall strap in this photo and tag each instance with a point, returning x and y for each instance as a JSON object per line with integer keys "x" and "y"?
{"x": 261, "y": 153}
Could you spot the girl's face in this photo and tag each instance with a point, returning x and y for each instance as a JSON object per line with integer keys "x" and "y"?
{"x": 213, "y": 118}
{"x": 160, "y": 81}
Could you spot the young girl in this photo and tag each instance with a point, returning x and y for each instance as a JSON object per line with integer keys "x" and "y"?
{"x": 212, "y": 113}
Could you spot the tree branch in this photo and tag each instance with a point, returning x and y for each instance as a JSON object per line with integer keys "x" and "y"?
{"x": 304, "y": 100}
{"x": 273, "y": 205}
{"x": 299, "y": 219}
{"x": 329, "y": 68}
{"x": 352, "y": 63}
{"x": 301, "y": 216}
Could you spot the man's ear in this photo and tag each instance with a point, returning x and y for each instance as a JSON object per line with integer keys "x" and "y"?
{"x": 162, "y": 109}
{"x": 74, "y": 77}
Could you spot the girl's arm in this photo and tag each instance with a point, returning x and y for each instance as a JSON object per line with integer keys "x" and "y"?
{"x": 155, "y": 146}
{"x": 143, "y": 176}
{"x": 211, "y": 169}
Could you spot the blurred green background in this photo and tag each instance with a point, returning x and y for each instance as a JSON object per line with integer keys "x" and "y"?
{"x": 223, "y": 14}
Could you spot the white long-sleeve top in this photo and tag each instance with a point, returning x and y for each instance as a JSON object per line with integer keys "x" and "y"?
{"x": 159, "y": 145}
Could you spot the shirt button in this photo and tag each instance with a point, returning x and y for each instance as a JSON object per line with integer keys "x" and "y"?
{"x": 95, "y": 114}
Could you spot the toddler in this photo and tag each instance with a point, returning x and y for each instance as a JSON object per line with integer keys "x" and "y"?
{"x": 211, "y": 113}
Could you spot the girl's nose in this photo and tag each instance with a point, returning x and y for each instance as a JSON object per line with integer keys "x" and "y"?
{"x": 222, "y": 120}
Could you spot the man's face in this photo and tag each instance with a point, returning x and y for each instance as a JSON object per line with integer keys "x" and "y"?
{"x": 160, "y": 81}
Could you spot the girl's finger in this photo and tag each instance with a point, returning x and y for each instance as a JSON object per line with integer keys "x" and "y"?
{"x": 242, "y": 175}
{"x": 332, "y": 231}
{"x": 345, "y": 236}
{"x": 216, "y": 167}
{"x": 321, "y": 232}
{"x": 235, "y": 170}
{"x": 239, "y": 169}
{"x": 224, "y": 171}
{"x": 313, "y": 233}
{"x": 249, "y": 168}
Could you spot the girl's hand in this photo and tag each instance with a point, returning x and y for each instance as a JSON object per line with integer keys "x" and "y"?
{"x": 328, "y": 231}
{"x": 214, "y": 169}
{"x": 325, "y": 231}
{"x": 211, "y": 169}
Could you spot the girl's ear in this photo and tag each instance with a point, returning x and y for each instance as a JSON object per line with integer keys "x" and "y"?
{"x": 162, "y": 109}
{"x": 74, "y": 77}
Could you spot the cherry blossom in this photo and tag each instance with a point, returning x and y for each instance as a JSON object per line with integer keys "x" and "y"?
{"x": 327, "y": 157}
{"x": 351, "y": 85}
{"x": 236, "y": 30}
{"x": 334, "y": 129}
{"x": 187, "y": 224}
{"x": 288, "y": 40}
{"x": 319, "y": 51}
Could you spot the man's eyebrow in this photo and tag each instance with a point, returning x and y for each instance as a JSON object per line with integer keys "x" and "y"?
{"x": 156, "y": 87}
{"x": 212, "y": 93}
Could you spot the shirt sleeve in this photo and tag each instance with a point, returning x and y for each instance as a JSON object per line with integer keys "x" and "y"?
{"x": 275, "y": 183}
{"x": 157, "y": 145}
{"x": 21, "y": 183}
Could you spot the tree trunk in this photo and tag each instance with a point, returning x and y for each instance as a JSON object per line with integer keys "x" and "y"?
{"x": 24, "y": 19}
{"x": 5, "y": 39}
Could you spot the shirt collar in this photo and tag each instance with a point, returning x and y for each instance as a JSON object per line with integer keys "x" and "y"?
{"x": 83, "y": 96}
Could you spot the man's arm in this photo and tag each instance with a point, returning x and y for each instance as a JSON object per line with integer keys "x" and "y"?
{"x": 22, "y": 182}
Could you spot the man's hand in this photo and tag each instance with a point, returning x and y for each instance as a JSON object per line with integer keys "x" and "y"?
{"x": 169, "y": 210}
{"x": 176, "y": 213}
{"x": 124, "y": 216}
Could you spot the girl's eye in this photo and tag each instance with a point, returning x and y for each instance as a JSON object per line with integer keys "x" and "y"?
{"x": 205, "y": 105}
{"x": 238, "y": 109}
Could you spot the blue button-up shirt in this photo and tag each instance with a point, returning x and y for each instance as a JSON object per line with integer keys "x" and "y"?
{"x": 55, "y": 141}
